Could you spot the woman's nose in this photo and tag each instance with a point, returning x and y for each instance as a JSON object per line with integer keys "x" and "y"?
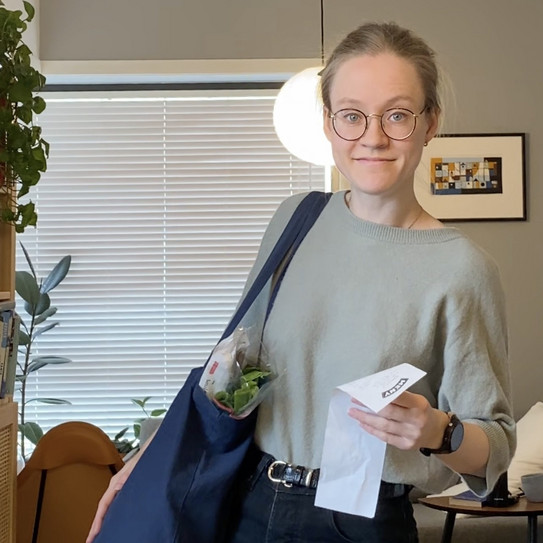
{"x": 374, "y": 134}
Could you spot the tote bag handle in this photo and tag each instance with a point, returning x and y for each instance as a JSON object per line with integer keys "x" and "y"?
{"x": 300, "y": 223}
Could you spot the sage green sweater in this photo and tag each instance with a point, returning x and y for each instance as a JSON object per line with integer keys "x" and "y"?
{"x": 359, "y": 297}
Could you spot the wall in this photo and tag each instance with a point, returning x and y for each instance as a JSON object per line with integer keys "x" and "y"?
{"x": 172, "y": 29}
{"x": 489, "y": 49}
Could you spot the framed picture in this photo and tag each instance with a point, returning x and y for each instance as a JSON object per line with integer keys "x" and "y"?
{"x": 473, "y": 177}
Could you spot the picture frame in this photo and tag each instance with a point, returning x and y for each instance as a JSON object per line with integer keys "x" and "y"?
{"x": 473, "y": 177}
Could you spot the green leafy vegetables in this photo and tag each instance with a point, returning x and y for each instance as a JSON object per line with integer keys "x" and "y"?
{"x": 251, "y": 381}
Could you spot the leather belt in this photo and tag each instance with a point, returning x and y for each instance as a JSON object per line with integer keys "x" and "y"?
{"x": 290, "y": 474}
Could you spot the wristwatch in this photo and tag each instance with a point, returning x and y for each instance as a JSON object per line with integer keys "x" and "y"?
{"x": 452, "y": 437}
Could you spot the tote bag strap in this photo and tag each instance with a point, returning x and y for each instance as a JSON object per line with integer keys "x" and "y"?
{"x": 300, "y": 223}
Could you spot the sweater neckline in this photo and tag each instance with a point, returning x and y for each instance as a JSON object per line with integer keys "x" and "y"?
{"x": 393, "y": 234}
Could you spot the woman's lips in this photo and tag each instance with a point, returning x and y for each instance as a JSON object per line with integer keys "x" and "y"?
{"x": 373, "y": 160}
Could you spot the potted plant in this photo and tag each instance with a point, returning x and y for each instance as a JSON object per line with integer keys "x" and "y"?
{"x": 37, "y": 305}
{"x": 142, "y": 427}
{"x": 23, "y": 151}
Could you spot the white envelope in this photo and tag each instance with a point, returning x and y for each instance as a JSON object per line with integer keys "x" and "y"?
{"x": 352, "y": 460}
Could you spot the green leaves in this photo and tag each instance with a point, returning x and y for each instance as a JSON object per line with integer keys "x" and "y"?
{"x": 25, "y": 216}
{"x": 124, "y": 445}
{"x": 24, "y": 152}
{"x": 42, "y": 361}
{"x": 37, "y": 305}
{"x": 37, "y": 301}
{"x": 45, "y": 315}
{"x": 57, "y": 275}
{"x": 27, "y": 288}
{"x": 39, "y": 105}
{"x": 30, "y": 11}
{"x": 251, "y": 381}
{"x": 50, "y": 401}
{"x": 141, "y": 403}
{"x": 31, "y": 431}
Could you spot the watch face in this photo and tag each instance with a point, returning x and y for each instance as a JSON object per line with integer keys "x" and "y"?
{"x": 457, "y": 436}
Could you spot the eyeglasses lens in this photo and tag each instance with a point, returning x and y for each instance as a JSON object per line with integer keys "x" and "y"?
{"x": 397, "y": 124}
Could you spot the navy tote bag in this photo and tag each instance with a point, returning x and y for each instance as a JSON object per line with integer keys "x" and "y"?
{"x": 179, "y": 490}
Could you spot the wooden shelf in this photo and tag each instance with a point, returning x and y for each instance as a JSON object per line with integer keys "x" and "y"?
{"x": 7, "y": 262}
{"x": 8, "y": 469}
{"x": 8, "y": 409}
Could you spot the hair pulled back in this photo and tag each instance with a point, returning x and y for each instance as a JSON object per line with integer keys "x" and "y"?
{"x": 375, "y": 38}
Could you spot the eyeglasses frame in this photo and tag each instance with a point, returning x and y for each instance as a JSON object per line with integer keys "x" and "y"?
{"x": 367, "y": 117}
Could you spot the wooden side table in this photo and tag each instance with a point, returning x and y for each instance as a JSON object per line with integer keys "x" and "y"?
{"x": 522, "y": 508}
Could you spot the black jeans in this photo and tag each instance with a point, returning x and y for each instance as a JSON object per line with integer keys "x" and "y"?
{"x": 269, "y": 512}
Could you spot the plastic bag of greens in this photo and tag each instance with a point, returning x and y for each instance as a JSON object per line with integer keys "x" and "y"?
{"x": 235, "y": 380}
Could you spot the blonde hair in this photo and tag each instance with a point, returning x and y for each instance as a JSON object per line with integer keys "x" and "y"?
{"x": 375, "y": 38}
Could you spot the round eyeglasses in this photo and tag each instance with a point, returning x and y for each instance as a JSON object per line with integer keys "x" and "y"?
{"x": 397, "y": 123}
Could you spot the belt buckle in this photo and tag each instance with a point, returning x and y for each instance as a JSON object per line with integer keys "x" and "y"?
{"x": 308, "y": 478}
{"x": 271, "y": 467}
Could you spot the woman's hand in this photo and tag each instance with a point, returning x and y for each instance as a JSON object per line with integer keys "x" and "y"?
{"x": 409, "y": 422}
{"x": 115, "y": 485}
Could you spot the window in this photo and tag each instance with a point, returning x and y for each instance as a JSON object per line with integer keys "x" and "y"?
{"x": 161, "y": 200}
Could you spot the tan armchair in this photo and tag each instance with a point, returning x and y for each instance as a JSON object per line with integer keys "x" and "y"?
{"x": 59, "y": 488}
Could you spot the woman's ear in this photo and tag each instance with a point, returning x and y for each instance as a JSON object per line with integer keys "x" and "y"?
{"x": 327, "y": 123}
{"x": 433, "y": 123}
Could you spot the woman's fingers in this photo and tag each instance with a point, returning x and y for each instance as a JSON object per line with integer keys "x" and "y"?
{"x": 103, "y": 506}
{"x": 401, "y": 423}
{"x": 115, "y": 485}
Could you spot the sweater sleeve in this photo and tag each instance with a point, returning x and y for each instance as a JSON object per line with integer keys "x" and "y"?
{"x": 476, "y": 381}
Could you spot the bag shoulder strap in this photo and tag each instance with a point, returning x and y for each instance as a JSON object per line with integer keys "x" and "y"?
{"x": 300, "y": 223}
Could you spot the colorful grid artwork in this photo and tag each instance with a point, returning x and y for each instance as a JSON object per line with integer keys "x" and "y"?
{"x": 466, "y": 175}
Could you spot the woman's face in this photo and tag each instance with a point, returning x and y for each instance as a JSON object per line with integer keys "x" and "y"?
{"x": 374, "y": 163}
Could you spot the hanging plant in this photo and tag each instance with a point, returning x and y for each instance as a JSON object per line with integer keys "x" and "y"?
{"x": 23, "y": 152}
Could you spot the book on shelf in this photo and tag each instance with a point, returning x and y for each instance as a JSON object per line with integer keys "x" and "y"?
{"x": 7, "y": 387}
{"x": 7, "y": 314}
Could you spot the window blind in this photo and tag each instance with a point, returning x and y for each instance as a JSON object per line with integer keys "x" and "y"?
{"x": 161, "y": 200}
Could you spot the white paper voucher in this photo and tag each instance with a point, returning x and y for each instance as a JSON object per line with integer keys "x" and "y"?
{"x": 352, "y": 460}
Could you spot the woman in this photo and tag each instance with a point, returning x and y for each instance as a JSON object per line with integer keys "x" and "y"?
{"x": 377, "y": 282}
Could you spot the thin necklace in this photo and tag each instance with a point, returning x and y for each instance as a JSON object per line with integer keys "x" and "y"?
{"x": 415, "y": 220}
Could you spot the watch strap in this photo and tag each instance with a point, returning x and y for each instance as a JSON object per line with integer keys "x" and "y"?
{"x": 452, "y": 437}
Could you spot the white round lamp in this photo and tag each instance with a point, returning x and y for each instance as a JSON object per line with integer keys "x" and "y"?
{"x": 298, "y": 118}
